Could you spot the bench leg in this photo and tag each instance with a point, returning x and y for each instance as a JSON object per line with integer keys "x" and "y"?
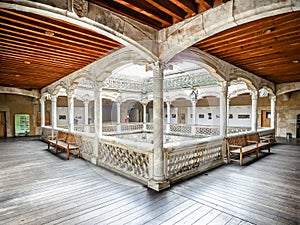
{"x": 68, "y": 153}
{"x": 241, "y": 159}
{"x": 48, "y": 145}
{"x": 79, "y": 152}
{"x": 228, "y": 156}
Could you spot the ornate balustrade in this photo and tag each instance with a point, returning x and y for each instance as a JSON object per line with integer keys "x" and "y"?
{"x": 109, "y": 129}
{"x": 181, "y": 129}
{"x": 128, "y": 127}
{"x": 233, "y": 130}
{"x": 130, "y": 158}
{"x": 193, "y": 157}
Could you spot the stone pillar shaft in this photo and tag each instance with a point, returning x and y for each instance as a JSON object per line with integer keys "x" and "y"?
{"x": 98, "y": 111}
{"x": 86, "y": 112}
{"x": 42, "y": 101}
{"x": 254, "y": 112}
{"x": 223, "y": 109}
{"x": 71, "y": 111}
{"x": 158, "y": 170}
{"x": 53, "y": 111}
{"x": 273, "y": 104}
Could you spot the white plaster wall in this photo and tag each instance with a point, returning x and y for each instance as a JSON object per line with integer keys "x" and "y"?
{"x": 78, "y": 114}
{"x": 215, "y": 113}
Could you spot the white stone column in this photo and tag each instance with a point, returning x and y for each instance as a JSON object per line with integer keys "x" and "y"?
{"x": 228, "y": 113}
{"x": 273, "y": 104}
{"x": 97, "y": 120}
{"x": 53, "y": 111}
{"x": 194, "y": 102}
{"x": 86, "y": 112}
{"x": 118, "y": 117}
{"x": 223, "y": 109}
{"x": 98, "y": 109}
{"x": 254, "y": 111}
{"x": 168, "y": 117}
{"x": 158, "y": 181}
{"x": 42, "y": 101}
{"x": 70, "y": 93}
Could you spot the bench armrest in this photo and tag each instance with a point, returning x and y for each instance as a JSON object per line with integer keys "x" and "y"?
{"x": 235, "y": 146}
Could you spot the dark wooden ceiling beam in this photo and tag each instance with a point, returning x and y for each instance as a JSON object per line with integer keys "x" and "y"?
{"x": 30, "y": 28}
{"x": 125, "y": 11}
{"x": 60, "y": 28}
{"x": 148, "y": 10}
{"x": 188, "y": 5}
{"x": 169, "y": 8}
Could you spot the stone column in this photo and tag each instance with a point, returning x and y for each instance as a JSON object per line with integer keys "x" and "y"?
{"x": 254, "y": 111}
{"x": 97, "y": 121}
{"x": 273, "y": 101}
{"x": 98, "y": 109}
{"x": 86, "y": 112}
{"x": 228, "y": 113}
{"x": 168, "y": 117}
{"x": 194, "y": 102}
{"x": 223, "y": 109}
{"x": 42, "y": 101}
{"x": 158, "y": 181}
{"x": 118, "y": 116}
{"x": 53, "y": 111}
{"x": 70, "y": 93}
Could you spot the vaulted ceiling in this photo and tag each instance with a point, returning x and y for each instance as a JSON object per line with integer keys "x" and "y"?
{"x": 37, "y": 50}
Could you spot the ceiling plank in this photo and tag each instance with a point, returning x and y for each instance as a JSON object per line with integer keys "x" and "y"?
{"x": 148, "y": 10}
{"x": 169, "y": 8}
{"x": 121, "y": 9}
{"x": 188, "y": 5}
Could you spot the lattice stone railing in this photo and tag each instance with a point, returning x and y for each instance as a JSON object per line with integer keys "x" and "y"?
{"x": 133, "y": 159}
{"x": 127, "y": 127}
{"x": 109, "y": 129}
{"x": 180, "y": 129}
{"x": 207, "y": 131}
{"x": 233, "y": 130}
{"x": 193, "y": 157}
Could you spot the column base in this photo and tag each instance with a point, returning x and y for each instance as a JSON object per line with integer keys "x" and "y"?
{"x": 158, "y": 185}
{"x": 94, "y": 160}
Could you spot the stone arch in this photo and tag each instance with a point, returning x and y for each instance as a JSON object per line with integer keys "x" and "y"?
{"x": 231, "y": 14}
{"x": 215, "y": 67}
{"x": 111, "y": 30}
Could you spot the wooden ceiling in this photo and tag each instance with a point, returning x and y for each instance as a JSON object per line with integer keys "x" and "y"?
{"x": 36, "y": 50}
{"x": 269, "y": 48}
{"x": 158, "y": 13}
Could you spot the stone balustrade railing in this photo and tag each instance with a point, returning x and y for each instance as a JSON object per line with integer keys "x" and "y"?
{"x": 189, "y": 158}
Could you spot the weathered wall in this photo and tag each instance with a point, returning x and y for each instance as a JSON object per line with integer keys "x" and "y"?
{"x": 286, "y": 114}
{"x": 17, "y": 104}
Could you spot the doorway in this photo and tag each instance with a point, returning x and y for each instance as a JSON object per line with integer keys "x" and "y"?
{"x": 298, "y": 126}
{"x": 265, "y": 118}
{"x": 182, "y": 118}
{"x": 2, "y": 125}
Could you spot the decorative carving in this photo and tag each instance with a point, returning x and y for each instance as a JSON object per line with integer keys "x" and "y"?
{"x": 80, "y": 7}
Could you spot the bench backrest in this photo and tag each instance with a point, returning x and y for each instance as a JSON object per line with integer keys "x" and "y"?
{"x": 70, "y": 138}
{"x": 252, "y": 137}
{"x": 237, "y": 140}
{"x": 61, "y": 136}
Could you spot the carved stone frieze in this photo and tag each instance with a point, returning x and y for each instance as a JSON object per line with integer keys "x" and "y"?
{"x": 80, "y": 7}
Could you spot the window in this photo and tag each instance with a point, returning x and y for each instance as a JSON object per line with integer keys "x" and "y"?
{"x": 243, "y": 116}
{"x": 209, "y": 116}
{"x": 201, "y": 116}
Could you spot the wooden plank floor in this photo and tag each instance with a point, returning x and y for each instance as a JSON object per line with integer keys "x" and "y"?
{"x": 37, "y": 187}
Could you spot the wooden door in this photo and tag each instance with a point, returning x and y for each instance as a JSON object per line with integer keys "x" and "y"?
{"x": 265, "y": 118}
{"x": 2, "y": 125}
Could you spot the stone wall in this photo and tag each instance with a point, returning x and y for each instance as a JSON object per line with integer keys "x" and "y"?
{"x": 286, "y": 114}
{"x": 17, "y": 104}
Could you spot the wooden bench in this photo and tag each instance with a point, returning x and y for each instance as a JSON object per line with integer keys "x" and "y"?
{"x": 239, "y": 145}
{"x": 263, "y": 142}
{"x": 65, "y": 141}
